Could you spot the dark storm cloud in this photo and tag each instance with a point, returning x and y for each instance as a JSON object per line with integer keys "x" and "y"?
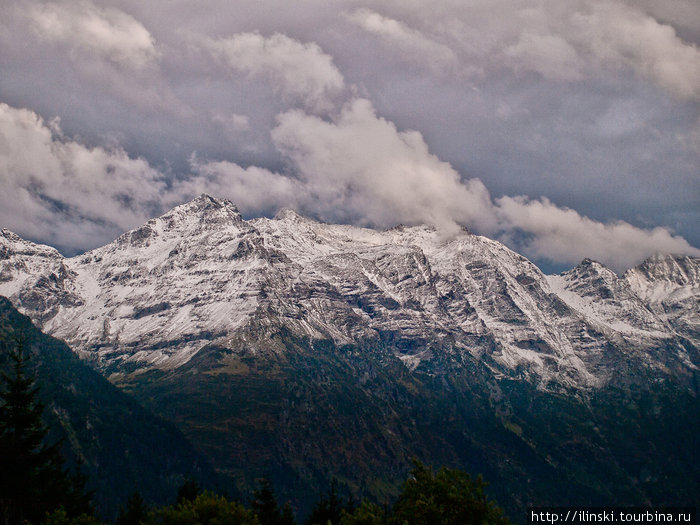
{"x": 543, "y": 125}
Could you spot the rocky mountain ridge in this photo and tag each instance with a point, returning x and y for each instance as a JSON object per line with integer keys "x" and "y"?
{"x": 200, "y": 275}
{"x": 307, "y": 352}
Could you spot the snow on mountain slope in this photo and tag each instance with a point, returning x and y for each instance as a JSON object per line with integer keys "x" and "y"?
{"x": 36, "y": 277}
{"x": 607, "y": 300}
{"x": 200, "y": 274}
{"x": 664, "y": 277}
{"x": 670, "y": 284}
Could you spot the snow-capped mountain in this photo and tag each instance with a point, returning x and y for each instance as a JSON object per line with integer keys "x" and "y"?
{"x": 305, "y": 352}
{"x": 200, "y": 274}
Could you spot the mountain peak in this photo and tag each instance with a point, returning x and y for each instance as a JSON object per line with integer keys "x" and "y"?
{"x": 679, "y": 269}
{"x": 206, "y": 209}
{"x": 205, "y": 202}
{"x": 11, "y": 243}
{"x": 589, "y": 267}
{"x": 10, "y": 235}
{"x": 590, "y": 263}
{"x": 289, "y": 214}
{"x": 203, "y": 213}
{"x": 200, "y": 273}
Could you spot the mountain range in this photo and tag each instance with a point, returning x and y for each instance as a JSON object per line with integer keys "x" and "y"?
{"x": 302, "y": 352}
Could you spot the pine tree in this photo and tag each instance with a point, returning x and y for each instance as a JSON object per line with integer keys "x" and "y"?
{"x": 135, "y": 511}
{"x": 330, "y": 508}
{"x": 188, "y": 491}
{"x": 267, "y": 509}
{"x": 287, "y": 516}
{"x": 33, "y": 480}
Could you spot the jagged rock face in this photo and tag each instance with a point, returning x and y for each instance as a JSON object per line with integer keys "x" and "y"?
{"x": 201, "y": 275}
{"x": 671, "y": 286}
{"x": 35, "y": 276}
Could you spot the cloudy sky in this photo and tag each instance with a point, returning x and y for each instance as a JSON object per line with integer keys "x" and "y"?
{"x": 567, "y": 129}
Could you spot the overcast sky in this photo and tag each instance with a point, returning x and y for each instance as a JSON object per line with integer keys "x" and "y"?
{"x": 565, "y": 128}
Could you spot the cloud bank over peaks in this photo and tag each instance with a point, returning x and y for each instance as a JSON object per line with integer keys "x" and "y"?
{"x": 359, "y": 168}
{"x": 255, "y": 191}
{"x": 355, "y": 168}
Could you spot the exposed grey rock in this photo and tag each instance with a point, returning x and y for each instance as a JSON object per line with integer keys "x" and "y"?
{"x": 200, "y": 274}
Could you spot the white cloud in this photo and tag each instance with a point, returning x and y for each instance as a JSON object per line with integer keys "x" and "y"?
{"x": 359, "y": 168}
{"x": 564, "y": 236}
{"x": 60, "y": 191}
{"x": 106, "y": 32}
{"x": 682, "y": 14}
{"x": 87, "y": 58}
{"x": 568, "y": 41}
{"x": 254, "y": 190}
{"x": 413, "y": 44}
{"x": 300, "y": 71}
{"x": 550, "y": 55}
{"x": 616, "y": 33}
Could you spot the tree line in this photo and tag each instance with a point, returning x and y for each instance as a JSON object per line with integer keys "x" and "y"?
{"x": 37, "y": 488}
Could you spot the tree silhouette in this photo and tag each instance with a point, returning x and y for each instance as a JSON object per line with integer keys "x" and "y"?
{"x": 33, "y": 480}
{"x": 329, "y": 508}
{"x": 267, "y": 509}
{"x": 449, "y": 497}
{"x": 188, "y": 491}
{"x": 205, "y": 509}
{"x": 135, "y": 511}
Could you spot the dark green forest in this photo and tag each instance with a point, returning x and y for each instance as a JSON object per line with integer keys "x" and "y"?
{"x": 100, "y": 431}
{"x": 37, "y": 488}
